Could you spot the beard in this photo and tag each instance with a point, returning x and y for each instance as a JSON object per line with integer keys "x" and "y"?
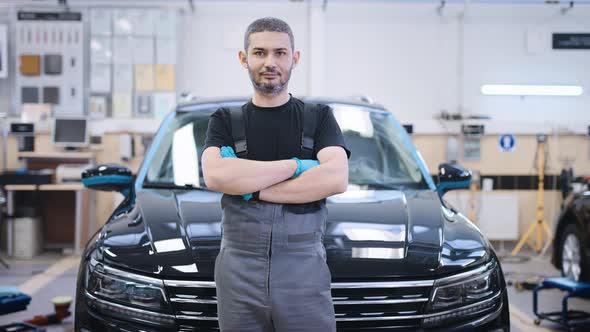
{"x": 270, "y": 88}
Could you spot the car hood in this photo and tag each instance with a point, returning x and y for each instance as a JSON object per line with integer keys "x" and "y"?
{"x": 369, "y": 235}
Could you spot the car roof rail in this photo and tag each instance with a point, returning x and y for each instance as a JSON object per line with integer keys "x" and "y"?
{"x": 362, "y": 98}
{"x": 186, "y": 97}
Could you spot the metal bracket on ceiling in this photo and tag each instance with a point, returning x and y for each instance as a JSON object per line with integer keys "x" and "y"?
{"x": 191, "y": 4}
{"x": 325, "y": 5}
{"x": 564, "y": 10}
{"x": 441, "y": 7}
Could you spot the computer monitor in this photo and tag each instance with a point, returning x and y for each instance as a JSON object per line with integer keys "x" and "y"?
{"x": 70, "y": 132}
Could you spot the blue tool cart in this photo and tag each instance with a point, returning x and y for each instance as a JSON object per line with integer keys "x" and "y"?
{"x": 566, "y": 317}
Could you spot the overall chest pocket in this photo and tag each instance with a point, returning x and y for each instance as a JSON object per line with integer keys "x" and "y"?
{"x": 306, "y": 229}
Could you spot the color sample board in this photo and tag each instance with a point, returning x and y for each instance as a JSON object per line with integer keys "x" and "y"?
{"x": 49, "y": 48}
{"x": 138, "y": 47}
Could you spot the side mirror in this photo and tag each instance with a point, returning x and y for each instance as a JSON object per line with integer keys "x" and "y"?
{"x": 452, "y": 177}
{"x": 108, "y": 177}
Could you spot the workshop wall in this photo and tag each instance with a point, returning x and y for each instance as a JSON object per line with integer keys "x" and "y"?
{"x": 410, "y": 58}
{"x": 561, "y": 151}
{"x": 214, "y": 34}
{"x": 418, "y": 63}
{"x": 407, "y": 57}
{"x": 526, "y": 200}
{"x": 6, "y": 84}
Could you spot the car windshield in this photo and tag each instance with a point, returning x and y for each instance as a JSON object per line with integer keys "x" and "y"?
{"x": 380, "y": 156}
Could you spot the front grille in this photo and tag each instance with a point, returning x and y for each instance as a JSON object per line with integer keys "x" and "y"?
{"x": 393, "y": 305}
{"x": 194, "y": 303}
{"x": 358, "y": 306}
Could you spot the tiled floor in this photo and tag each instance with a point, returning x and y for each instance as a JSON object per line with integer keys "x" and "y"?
{"x": 521, "y": 302}
{"x": 22, "y": 272}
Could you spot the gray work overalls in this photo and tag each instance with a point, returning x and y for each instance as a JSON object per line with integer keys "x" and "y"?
{"x": 271, "y": 273}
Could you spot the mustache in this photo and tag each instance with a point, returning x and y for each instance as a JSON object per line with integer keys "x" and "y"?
{"x": 270, "y": 71}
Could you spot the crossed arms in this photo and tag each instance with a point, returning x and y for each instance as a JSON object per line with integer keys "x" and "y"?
{"x": 236, "y": 176}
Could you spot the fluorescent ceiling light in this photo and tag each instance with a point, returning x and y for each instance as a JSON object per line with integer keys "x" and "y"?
{"x": 531, "y": 90}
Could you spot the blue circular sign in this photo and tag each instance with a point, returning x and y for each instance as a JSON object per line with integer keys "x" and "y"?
{"x": 507, "y": 142}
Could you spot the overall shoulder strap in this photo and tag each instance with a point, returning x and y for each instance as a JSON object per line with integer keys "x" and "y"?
{"x": 238, "y": 131}
{"x": 308, "y": 131}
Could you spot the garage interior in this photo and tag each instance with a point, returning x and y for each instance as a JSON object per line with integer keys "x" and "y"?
{"x": 500, "y": 87}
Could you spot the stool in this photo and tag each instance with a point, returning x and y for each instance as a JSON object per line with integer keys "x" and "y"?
{"x": 565, "y": 317}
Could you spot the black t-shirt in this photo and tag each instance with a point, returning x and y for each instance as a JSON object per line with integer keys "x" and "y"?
{"x": 274, "y": 133}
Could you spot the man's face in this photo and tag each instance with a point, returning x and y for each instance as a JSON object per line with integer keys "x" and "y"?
{"x": 269, "y": 61}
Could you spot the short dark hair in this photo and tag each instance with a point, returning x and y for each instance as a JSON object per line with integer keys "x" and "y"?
{"x": 271, "y": 24}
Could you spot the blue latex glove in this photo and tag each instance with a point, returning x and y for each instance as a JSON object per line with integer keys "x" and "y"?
{"x": 228, "y": 152}
{"x": 304, "y": 165}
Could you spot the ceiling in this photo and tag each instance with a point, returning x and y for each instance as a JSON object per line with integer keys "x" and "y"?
{"x": 187, "y": 3}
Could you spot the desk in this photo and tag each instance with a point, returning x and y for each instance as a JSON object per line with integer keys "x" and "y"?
{"x": 84, "y": 226}
{"x": 55, "y": 155}
{"x": 35, "y": 160}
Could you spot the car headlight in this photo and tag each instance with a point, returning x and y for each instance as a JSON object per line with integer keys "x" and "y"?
{"x": 127, "y": 295}
{"x": 466, "y": 288}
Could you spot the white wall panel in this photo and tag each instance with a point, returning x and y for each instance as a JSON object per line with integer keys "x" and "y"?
{"x": 405, "y": 63}
{"x": 416, "y": 63}
{"x": 497, "y": 53}
{"x": 405, "y": 56}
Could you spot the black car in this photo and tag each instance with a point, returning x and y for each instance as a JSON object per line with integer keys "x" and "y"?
{"x": 571, "y": 247}
{"x": 400, "y": 258}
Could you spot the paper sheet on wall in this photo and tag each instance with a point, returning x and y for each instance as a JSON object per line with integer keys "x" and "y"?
{"x": 143, "y": 50}
{"x": 143, "y": 105}
{"x": 123, "y": 50}
{"x": 101, "y": 50}
{"x": 100, "y": 78}
{"x": 100, "y": 22}
{"x": 165, "y": 78}
{"x": 166, "y": 51}
{"x": 166, "y": 23}
{"x": 122, "y": 78}
{"x": 35, "y": 113}
{"x": 144, "y": 77}
{"x": 97, "y": 108}
{"x": 122, "y": 107}
{"x": 122, "y": 23}
{"x": 164, "y": 102}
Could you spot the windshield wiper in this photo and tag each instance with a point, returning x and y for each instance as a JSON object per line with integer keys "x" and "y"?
{"x": 385, "y": 186}
{"x": 169, "y": 185}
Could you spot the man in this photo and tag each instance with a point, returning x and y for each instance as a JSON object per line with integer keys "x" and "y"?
{"x": 271, "y": 272}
